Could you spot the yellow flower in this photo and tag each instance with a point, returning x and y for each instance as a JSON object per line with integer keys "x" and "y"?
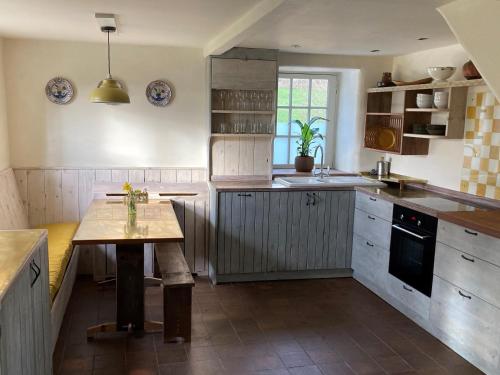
{"x": 127, "y": 187}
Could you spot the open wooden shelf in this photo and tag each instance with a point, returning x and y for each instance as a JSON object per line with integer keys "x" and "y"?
{"x": 429, "y": 86}
{"x": 243, "y": 112}
{"x": 424, "y": 136}
{"x": 382, "y": 114}
{"x": 432, "y": 110}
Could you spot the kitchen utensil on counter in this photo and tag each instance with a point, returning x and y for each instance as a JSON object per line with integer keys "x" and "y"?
{"x": 424, "y": 100}
{"x": 383, "y": 167}
{"x": 386, "y": 138}
{"x": 470, "y": 71}
{"x": 419, "y": 128}
{"x": 436, "y": 129}
{"x": 441, "y": 99}
{"x": 441, "y": 73}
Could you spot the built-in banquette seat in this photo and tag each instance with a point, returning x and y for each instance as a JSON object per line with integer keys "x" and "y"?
{"x": 63, "y": 258}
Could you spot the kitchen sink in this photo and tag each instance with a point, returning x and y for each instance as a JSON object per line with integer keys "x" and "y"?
{"x": 335, "y": 181}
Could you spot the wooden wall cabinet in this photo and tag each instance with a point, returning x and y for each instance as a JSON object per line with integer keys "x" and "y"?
{"x": 394, "y": 110}
{"x": 268, "y": 235}
{"x": 25, "y": 340}
{"x": 243, "y": 113}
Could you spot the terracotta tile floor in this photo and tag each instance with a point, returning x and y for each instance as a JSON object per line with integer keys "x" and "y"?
{"x": 310, "y": 327}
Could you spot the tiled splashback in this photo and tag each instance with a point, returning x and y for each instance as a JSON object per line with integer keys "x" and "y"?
{"x": 481, "y": 168}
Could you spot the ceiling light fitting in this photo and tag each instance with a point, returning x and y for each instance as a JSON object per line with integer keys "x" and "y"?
{"x": 109, "y": 90}
{"x": 375, "y": 50}
{"x": 422, "y": 38}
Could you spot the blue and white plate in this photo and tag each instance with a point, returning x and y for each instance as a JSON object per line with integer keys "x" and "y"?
{"x": 159, "y": 93}
{"x": 59, "y": 90}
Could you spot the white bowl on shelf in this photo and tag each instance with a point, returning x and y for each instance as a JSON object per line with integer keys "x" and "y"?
{"x": 441, "y": 99}
{"x": 424, "y": 100}
{"x": 441, "y": 73}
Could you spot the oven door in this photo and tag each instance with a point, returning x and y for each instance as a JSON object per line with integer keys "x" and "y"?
{"x": 412, "y": 257}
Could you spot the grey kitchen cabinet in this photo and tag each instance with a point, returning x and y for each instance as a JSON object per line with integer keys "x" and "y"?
{"x": 283, "y": 232}
{"x": 25, "y": 340}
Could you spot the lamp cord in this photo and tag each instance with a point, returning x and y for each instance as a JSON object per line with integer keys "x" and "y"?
{"x": 109, "y": 58}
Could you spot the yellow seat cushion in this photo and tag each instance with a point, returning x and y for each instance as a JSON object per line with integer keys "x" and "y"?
{"x": 60, "y": 249}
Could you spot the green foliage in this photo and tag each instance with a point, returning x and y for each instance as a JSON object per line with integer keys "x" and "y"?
{"x": 308, "y": 135}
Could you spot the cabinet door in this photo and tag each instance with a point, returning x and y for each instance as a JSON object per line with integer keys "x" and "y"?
{"x": 11, "y": 339}
{"x": 340, "y": 226}
{"x": 369, "y": 262}
{"x": 40, "y": 311}
{"x": 236, "y": 74}
{"x": 277, "y": 239}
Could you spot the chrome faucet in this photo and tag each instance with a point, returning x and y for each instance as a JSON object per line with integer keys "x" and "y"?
{"x": 321, "y": 174}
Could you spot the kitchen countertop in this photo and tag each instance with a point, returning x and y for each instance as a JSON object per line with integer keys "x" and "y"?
{"x": 487, "y": 222}
{"x": 15, "y": 249}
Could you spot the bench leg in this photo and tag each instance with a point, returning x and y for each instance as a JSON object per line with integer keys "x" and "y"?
{"x": 177, "y": 313}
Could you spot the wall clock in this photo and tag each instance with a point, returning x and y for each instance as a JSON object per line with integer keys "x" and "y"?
{"x": 59, "y": 90}
{"x": 159, "y": 93}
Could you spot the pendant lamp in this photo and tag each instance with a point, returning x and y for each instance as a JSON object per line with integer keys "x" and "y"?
{"x": 109, "y": 90}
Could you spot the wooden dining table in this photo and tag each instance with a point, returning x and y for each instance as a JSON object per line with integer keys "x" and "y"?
{"x": 108, "y": 222}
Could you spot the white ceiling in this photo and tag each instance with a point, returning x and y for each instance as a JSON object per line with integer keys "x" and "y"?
{"x": 350, "y": 27}
{"x": 159, "y": 22}
{"x": 353, "y": 27}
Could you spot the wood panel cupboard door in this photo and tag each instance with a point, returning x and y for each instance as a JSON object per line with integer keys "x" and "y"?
{"x": 236, "y": 74}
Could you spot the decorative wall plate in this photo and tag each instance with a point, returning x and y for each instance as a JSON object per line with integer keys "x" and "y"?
{"x": 159, "y": 93}
{"x": 59, "y": 90}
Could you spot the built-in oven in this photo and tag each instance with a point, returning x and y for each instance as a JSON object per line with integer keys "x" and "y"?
{"x": 413, "y": 243}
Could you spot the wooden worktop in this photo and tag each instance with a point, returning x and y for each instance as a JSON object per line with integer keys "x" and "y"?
{"x": 15, "y": 248}
{"x": 487, "y": 222}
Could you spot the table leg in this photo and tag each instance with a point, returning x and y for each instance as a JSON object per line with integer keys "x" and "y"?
{"x": 129, "y": 287}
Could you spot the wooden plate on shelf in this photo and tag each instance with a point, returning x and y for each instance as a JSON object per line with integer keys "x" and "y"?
{"x": 418, "y": 82}
{"x": 386, "y": 138}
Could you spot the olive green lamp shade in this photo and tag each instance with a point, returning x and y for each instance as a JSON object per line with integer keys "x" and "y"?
{"x": 109, "y": 91}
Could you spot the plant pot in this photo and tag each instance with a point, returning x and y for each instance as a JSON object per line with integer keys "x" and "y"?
{"x": 304, "y": 163}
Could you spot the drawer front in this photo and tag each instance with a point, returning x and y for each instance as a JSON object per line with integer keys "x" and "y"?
{"x": 374, "y": 206}
{"x": 467, "y": 324}
{"x": 373, "y": 228}
{"x": 466, "y": 271}
{"x": 409, "y": 296}
{"x": 472, "y": 242}
{"x": 369, "y": 261}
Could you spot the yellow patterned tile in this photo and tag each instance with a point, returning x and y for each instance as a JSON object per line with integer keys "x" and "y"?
{"x": 486, "y": 112}
{"x": 497, "y": 193}
{"x": 464, "y": 186}
{"x": 483, "y": 164}
{"x": 469, "y": 135}
{"x": 496, "y": 126}
{"x": 471, "y": 112}
{"x": 481, "y": 189}
{"x": 491, "y": 179}
{"x": 474, "y": 174}
{"x": 467, "y": 161}
{"x": 479, "y": 98}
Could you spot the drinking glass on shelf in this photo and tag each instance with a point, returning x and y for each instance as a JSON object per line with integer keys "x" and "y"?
{"x": 222, "y": 127}
{"x": 222, "y": 99}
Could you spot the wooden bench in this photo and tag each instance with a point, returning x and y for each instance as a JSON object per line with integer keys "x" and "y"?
{"x": 177, "y": 283}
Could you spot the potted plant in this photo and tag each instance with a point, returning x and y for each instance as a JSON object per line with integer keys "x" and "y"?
{"x": 308, "y": 135}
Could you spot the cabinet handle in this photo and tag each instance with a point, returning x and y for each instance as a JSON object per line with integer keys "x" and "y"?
{"x": 34, "y": 267}
{"x": 470, "y": 232}
{"x": 244, "y": 195}
{"x": 464, "y": 295}
{"x": 314, "y": 199}
{"x": 468, "y": 259}
{"x": 373, "y": 199}
{"x": 371, "y": 217}
{"x": 308, "y": 199}
{"x": 406, "y": 288}
{"x": 369, "y": 244}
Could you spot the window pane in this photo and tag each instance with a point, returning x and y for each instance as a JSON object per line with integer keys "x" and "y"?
{"x": 300, "y": 92}
{"x": 282, "y": 122}
{"x": 280, "y": 151}
{"x": 320, "y": 124}
{"x": 283, "y": 91}
{"x": 293, "y": 149}
{"x": 298, "y": 114}
{"x": 319, "y": 92}
{"x": 317, "y": 159}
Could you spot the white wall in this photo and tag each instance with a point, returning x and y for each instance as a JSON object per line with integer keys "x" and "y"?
{"x": 357, "y": 74}
{"x": 81, "y": 134}
{"x": 443, "y": 165}
{"x": 4, "y": 135}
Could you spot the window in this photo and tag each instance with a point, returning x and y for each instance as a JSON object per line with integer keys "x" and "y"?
{"x": 301, "y": 97}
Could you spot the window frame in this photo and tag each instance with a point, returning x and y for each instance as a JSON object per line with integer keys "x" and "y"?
{"x": 330, "y": 113}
